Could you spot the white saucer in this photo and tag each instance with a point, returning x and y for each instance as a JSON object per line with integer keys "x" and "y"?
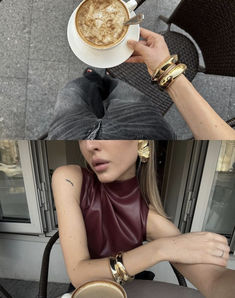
{"x": 101, "y": 58}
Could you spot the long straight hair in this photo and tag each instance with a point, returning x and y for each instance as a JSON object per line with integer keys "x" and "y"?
{"x": 148, "y": 182}
{"x": 147, "y": 177}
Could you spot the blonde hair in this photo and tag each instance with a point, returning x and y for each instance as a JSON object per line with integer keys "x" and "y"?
{"x": 148, "y": 182}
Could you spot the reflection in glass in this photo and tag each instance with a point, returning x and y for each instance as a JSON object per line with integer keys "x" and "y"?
{"x": 13, "y": 203}
{"x": 220, "y": 214}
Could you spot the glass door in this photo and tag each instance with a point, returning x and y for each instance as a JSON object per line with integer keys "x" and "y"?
{"x": 217, "y": 192}
{"x": 19, "y": 207}
{"x": 220, "y": 213}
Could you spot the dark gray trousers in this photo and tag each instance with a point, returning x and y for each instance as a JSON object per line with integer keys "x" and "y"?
{"x": 99, "y": 107}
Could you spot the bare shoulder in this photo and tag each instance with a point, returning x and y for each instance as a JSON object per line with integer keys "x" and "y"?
{"x": 159, "y": 226}
{"x": 73, "y": 172}
{"x": 67, "y": 180}
{"x": 67, "y": 169}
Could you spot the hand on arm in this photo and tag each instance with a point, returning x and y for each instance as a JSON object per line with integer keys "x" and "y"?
{"x": 196, "y": 255}
{"x": 203, "y": 121}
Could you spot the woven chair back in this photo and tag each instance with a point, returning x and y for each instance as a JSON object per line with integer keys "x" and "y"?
{"x": 211, "y": 23}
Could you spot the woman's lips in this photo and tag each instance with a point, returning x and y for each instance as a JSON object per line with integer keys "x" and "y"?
{"x": 100, "y": 165}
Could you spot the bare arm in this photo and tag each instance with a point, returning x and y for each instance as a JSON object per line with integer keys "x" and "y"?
{"x": 200, "y": 117}
{"x": 66, "y": 185}
{"x": 219, "y": 280}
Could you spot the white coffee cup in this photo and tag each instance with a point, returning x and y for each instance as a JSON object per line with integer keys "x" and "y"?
{"x": 130, "y": 6}
{"x": 100, "y": 289}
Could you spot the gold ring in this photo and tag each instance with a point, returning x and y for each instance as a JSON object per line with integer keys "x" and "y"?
{"x": 222, "y": 254}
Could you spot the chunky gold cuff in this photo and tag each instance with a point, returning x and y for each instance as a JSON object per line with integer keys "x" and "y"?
{"x": 118, "y": 270}
{"x": 122, "y": 270}
{"x": 163, "y": 67}
{"x": 114, "y": 270}
{"x": 169, "y": 78}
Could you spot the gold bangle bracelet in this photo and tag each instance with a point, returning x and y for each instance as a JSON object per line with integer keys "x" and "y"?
{"x": 169, "y": 78}
{"x": 125, "y": 276}
{"x": 171, "y": 67}
{"x": 114, "y": 270}
{"x": 159, "y": 71}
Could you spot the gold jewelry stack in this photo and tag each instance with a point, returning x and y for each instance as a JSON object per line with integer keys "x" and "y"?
{"x": 118, "y": 270}
{"x": 167, "y": 72}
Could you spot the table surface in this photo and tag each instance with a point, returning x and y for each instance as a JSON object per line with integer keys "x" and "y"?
{"x": 155, "y": 289}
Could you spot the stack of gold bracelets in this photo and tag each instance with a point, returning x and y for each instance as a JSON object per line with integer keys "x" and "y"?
{"x": 167, "y": 72}
{"x": 118, "y": 270}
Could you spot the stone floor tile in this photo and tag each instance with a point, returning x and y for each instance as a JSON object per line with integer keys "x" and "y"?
{"x": 14, "y": 37}
{"x": 49, "y": 30}
{"x": 76, "y": 3}
{"x": 231, "y": 110}
{"x": 165, "y": 8}
{"x": 149, "y": 9}
{"x": 76, "y": 68}
{"x": 45, "y": 80}
{"x": 216, "y": 90}
{"x": 12, "y": 112}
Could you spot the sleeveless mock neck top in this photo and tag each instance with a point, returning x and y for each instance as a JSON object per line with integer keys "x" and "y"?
{"x": 115, "y": 215}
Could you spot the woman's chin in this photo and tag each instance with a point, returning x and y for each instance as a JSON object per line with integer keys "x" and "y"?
{"x": 104, "y": 178}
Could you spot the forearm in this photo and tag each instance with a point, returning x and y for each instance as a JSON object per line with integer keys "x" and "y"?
{"x": 135, "y": 261}
{"x": 224, "y": 285}
{"x": 203, "y": 121}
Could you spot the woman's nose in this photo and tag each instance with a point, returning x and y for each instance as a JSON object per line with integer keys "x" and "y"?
{"x": 93, "y": 145}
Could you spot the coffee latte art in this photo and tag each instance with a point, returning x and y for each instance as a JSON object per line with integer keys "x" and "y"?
{"x": 100, "y": 22}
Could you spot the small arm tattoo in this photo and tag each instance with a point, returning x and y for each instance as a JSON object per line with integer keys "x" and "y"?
{"x": 69, "y": 181}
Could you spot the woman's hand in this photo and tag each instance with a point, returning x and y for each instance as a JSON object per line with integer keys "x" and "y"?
{"x": 152, "y": 50}
{"x": 196, "y": 248}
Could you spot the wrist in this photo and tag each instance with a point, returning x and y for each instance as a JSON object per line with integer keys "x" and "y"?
{"x": 167, "y": 72}
{"x": 160, "y": 249}
{"x": 178, "y": 84}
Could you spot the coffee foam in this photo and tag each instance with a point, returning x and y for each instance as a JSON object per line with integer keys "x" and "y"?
{"x": 100, "y": 22}
{"x": 99, "y": 290}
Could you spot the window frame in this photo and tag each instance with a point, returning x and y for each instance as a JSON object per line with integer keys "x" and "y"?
{"x": 32, "y": 196}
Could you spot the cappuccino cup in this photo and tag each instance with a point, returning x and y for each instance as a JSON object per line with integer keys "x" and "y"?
{"x": 99, "y": 23}
{"x": 100, "y": 289}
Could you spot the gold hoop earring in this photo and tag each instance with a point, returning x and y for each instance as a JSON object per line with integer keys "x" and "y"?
{"x": 143, "y": 151}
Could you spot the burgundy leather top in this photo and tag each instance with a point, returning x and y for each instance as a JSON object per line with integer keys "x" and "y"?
{"x": 115, "y": 215}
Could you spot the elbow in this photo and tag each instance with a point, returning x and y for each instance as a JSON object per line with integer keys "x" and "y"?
{"x": 77, "y": 279}
{"x": 76, "y": 282}
{"x": 77, "y": 275}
